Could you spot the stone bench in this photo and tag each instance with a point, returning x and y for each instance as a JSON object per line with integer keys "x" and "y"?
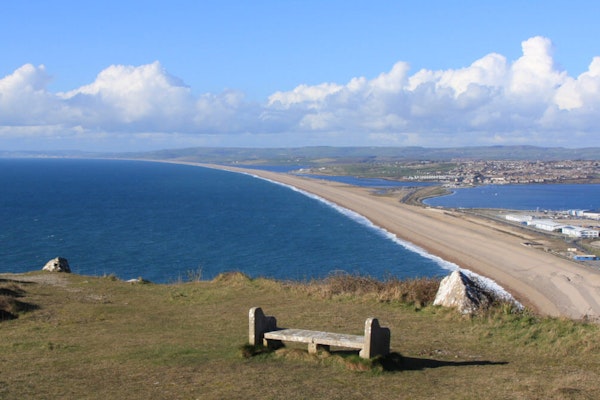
{"x": 263, "y": 330}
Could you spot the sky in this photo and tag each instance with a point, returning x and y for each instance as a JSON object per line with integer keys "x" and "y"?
{"x": 148, "y": 75}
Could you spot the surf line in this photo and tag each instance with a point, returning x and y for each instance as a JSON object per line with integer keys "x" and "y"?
{"x": 485, "y": 282}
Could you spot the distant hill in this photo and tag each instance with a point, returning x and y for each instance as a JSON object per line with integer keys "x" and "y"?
{"x": 324, "y": 154}
{"x": 332, "y": 155}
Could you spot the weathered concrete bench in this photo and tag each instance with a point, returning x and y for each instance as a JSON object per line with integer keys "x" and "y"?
{"x": 263, "y": 330}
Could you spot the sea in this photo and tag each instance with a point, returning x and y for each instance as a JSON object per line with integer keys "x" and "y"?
{"x": 168, "y": 222}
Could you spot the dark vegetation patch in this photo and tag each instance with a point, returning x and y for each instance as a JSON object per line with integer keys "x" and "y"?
{"x": 10, "y": 306}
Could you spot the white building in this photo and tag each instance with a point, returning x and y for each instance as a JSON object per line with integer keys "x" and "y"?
{"x": 518, "y": 218}
{"x": 546, "y": 225}
{"x": 577, "y": 231}
{"x": 591, "y": 214}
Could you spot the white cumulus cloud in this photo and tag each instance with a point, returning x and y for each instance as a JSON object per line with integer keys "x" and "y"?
{"x": 491, "y": 101}
{"x": 144, "y": 97}
{"x": 24, "y": 99}
{"x": 581, "y": 92}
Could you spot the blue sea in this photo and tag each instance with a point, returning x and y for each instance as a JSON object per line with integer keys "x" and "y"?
{"x": 524, "y": 197}
{"x": 159, "y": 221}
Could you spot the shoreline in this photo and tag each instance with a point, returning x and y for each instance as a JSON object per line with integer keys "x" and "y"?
{"x": 491, "y": 285}
{"x": 540, "y": 281}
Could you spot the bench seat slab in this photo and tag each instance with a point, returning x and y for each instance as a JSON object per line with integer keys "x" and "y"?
{"x": 317, "y": 337}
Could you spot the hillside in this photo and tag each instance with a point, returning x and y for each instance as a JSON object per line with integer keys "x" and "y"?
{"x": 98, "y": 337}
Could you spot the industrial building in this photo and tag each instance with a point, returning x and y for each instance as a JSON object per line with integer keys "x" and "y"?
{"x": 592, "y": 214}
{"x": 546, "y": 225}
{"x": 522, "y": 219}
{"x": 577, "y": 231}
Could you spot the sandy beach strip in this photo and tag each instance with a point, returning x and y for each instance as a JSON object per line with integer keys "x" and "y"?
{"x": 543, "y": 282}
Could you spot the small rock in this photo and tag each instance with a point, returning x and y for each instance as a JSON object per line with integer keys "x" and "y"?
{"x": 57, "y": 264}
{"x": 138, "y": 280}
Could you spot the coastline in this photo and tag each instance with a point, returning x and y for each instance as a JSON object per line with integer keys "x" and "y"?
{"x": 540, "y": 281}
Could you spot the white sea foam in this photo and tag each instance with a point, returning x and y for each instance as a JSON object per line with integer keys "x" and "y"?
{"x": 483, "y": 281}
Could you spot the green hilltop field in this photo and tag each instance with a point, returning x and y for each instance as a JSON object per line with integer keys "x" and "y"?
{"x": 74, "y": 337}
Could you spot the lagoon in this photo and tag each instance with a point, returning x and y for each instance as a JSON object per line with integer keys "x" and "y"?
{"x": 523, "y": 197}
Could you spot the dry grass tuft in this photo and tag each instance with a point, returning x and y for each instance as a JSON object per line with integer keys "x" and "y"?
{"x": 248, "y": 350}
{"x": 232, "y": 277}
{"x": 356, "y": 364}
{"x": 296, "y": 355}
{"x": 347, "y": 360}
{"x": 419, "y": 292}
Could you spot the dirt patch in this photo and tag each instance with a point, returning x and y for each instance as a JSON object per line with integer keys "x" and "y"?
{"x": 47, "y": 278}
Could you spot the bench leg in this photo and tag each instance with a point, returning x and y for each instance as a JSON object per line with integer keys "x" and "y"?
{"x": 377, "y": 339}
{"x": 258, "y": 324}
{"x": 313, "y": 348}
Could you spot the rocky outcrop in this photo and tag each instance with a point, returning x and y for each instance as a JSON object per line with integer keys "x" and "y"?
{"x": 463, "y": 293}
{"x": 57, "y": 264}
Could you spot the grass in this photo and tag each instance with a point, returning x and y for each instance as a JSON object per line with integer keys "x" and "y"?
{"x": 103, "y": 338}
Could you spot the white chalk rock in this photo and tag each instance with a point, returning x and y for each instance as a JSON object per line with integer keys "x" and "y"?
{"x": 57, "y": 264}
{"x": 461, "y": 292}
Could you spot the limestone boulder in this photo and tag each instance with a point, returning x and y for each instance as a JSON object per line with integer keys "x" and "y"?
{"x": 463, "y": 293}
{"x": 57, "y": 264}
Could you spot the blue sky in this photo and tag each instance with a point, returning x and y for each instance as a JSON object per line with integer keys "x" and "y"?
{"x": 141, "y": 75}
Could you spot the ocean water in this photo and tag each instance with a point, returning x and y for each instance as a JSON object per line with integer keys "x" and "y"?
{"x": 524, "y": 197}
{"x": 159, "y": 221}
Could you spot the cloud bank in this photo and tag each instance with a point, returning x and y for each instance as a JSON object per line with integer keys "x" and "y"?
{"x": 491, "y": 101}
